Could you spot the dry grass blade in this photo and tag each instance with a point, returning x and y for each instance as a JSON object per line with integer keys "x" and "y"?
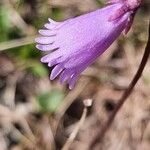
{"x": 16, "y": 43}
{"x": 87, "y": 103}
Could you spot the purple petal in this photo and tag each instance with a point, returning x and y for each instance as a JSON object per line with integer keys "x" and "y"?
{"x": 46, "y": 47}
{"x": 47, "y": 32}
{"x": 65, "y": 75}
{"x": 72, "y": 82}
{"x": 49, "y": 26}
{"x": 78, "y": 42}
{"x": 53, "y": 22}
{"x": 49, "y": 57}
{"x": 56, "y": 71}
{"x": 53, "y": 62}
{"x": 45, "y": 40}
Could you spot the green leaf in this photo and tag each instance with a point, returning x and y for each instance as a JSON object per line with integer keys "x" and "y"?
{"x": 4, "y": 23}
{"x": 49, "y": 102}
{"x": 38, "y": 69}
{"x": 57, "y": 13}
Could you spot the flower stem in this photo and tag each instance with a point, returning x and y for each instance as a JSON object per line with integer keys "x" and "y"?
{"x": 98, "y": 138}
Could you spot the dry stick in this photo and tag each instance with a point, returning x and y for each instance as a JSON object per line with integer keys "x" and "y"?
{"x": 87, "y": 103}
{"x": 124, "y": 97}
{"x": 76, "y": 130}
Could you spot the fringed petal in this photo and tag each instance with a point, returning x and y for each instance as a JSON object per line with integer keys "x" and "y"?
{"x": 56, "y": 71}
{"x": 74, "y": 44}
{"x": 45, "y": 40}
{"x": 49, "y": 57}
{"x": 45, "y": 32}
{"x": 50, "y": 47}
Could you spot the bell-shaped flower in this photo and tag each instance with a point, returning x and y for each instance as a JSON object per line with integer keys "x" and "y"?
{"x": 72, "y": 45}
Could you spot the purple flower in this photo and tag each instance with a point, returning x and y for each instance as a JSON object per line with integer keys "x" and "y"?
{"x": 74, "y": 44}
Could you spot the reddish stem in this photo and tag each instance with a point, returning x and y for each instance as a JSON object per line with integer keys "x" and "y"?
{"x": 98, "y": 138}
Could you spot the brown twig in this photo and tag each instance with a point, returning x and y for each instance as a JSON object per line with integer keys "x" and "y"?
{"x": 124, "y": 97}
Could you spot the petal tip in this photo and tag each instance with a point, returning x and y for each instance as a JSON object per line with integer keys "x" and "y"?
{"x": 39, "y": 47}
{"x": 42, "y": 60}
{"x": 36, "y": 39}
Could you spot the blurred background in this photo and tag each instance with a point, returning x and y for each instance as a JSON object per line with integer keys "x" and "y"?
{"x": 36, "y": 113}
